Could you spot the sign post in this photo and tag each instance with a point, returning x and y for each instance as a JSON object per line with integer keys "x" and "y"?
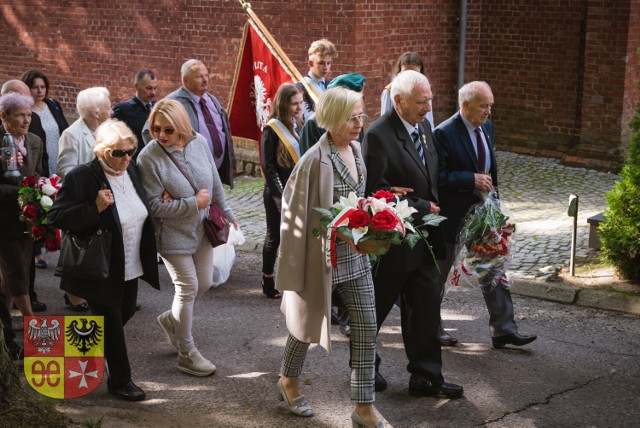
{"x": 573, "y": 212}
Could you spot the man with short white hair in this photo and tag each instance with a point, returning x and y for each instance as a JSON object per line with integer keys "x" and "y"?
{"x": 135, "y": 111}
{"x": 468, "y": 167}
{"x": 400, "y": 157}
{"x": 207, "y": 116}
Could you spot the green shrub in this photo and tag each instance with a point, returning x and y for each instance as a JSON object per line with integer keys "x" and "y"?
{"x": 620, "y": 232}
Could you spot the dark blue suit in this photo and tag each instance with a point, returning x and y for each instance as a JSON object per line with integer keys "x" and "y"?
{"x": 134, "y": 113}
{"x": 457, "y": 165}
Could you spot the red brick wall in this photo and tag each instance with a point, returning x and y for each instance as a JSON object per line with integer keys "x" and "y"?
{"x": 563, "y": 72}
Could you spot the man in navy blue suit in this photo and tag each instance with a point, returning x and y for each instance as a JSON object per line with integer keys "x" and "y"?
{"x": 466, "y": 167}
{"x": 135, "y": 111}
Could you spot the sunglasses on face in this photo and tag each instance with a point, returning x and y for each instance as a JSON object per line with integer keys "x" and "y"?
{"x": 159, "y": 130}
{"x": 121, "y": 153}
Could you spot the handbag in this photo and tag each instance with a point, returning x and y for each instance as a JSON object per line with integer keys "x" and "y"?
{"x": 216, "y": 223}
{"x": 85, "y": 258}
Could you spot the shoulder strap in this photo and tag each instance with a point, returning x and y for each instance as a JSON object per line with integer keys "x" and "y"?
{"x": 195, "y": 189}
{"x": 287, "y": 139}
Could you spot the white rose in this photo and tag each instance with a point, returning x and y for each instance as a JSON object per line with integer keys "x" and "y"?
{"x": 46, "y": 201}
{"x": 48, "y": 189}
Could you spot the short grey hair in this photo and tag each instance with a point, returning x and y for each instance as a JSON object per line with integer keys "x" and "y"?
{"x": 14, "y": 100}
{"x": 141, "y": 74}
{"x": 335, "y": 107}
{"x": 470, "y": 90}
{"x": 404, "y": 83}
{"x": 186, "y": 67}
{"x": 90, "y": 99}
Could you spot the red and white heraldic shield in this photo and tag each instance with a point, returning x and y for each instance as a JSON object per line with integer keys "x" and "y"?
{"x": 64, "y": 355}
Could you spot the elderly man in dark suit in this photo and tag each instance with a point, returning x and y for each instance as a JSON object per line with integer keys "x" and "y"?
{"x": 467, "y": 167}
{"x": 135, "y": 111}
{"x": 398, "y": 150}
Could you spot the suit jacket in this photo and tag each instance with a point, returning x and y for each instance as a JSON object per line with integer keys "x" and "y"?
{"x": 392, "y": 160}
{"x": 134, "y": 113}
{"x": 12, "y": 227}
{"x": 75, "y": 210}
{"x": 457, "y": 165}
{"x": 228, "y": 166}
{"x": 75, "y": 147}
{"x": 301, "y": 271}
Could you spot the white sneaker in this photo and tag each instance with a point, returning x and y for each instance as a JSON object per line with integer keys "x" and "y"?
{"x": 165, "y": 321}
{"x": 195, "y": 364}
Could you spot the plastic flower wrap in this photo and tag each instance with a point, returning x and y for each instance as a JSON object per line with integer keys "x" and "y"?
{"x": 488, "y": 237}
{"x": 371, "y": 224}
{"x": 35, "y": 198}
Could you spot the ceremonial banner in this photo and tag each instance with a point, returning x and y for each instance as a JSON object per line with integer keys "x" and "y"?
{"x": 64, "y": 355}
{"x": 259, "y": 74}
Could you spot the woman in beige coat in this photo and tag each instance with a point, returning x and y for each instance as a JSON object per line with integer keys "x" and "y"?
{"x": 330, "y": 169}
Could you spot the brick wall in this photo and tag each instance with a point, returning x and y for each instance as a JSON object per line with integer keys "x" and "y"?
{"x": 564, "y": 81}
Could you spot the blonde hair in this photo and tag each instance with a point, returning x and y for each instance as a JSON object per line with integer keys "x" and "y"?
{"x": 177, "y": 116}
{"x": 322, "y": 47}
{"x": 335, "y": 107}
{"x": 110, "y": 133}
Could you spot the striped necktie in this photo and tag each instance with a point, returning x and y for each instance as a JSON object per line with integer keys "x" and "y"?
{"x": 416, "y": 141}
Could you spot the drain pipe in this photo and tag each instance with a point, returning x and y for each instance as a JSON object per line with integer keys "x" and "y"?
{"x": 463, "y": 42}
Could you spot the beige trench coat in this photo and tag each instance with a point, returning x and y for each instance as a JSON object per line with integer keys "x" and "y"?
{"x": 302, "y": 273}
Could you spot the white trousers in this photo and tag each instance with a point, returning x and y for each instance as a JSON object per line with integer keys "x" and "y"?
{"x": 191, "y": 275}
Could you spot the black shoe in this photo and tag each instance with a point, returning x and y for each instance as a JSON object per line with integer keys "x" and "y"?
{"x": 345, "y": 330}
{"x": 269, "y": 287}
{"x": 129, "y": 392}
{"x": 513, "y": 339}
{"x": 445, "y": 338}
{"x": 422, "y": 387}
{"x": 334, "y": 316}
{"x": 38, "y": 306}
{"x": 80, "y": 307}
{"x": 381, "y": 383}
{"x": 41, "y": 264}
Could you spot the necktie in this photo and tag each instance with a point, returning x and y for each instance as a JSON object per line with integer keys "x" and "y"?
{"x": 213, "y": 130}
{"x": 321, "y": 84}
{"x": 482, "y": 154}
{"x": 148, "y": 107}
{"x": 416, "y": 141}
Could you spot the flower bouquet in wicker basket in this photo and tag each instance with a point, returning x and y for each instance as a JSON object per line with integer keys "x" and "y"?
{"x": 372, "y": 224}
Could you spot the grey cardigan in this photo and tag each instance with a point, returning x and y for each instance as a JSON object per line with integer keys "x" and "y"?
{"x": 179, "y": 227}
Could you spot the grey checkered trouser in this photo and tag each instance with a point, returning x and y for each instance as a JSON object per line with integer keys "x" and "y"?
{"x": 358, "y": 297}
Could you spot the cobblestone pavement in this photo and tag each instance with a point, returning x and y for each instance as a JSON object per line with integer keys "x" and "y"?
{"x": 536, "y": 190}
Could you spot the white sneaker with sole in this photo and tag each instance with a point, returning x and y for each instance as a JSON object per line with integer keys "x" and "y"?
{"x": 165, "y": 321}
{"x": 195, "y": 364}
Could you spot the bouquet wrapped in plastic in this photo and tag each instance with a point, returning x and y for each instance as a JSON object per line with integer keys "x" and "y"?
{"x": 485, "y": 245}
{"x": 371, "y": 224}
{"x": 35, "y": 198}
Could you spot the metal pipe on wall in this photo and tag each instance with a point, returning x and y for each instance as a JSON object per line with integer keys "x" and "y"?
{"x": 463, "y": 42}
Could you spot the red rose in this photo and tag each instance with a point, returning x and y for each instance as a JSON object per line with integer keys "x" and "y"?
{"x": 384, "y": 194}
{"x": 51, "y": 245}
{"x": 29, "y": 212}
{"x": 384, "y": 220}
{"x": 38, "y": 232}
{"x": 29, "y": 181}
{"x": 359, "y": 218}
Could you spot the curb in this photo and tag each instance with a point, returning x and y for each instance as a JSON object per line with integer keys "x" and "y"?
{"x": 553, "y": 292}
{"x": 568, "y": 294}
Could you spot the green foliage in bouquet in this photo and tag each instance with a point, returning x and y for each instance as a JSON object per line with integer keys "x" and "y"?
{"x": 620, "y": 232}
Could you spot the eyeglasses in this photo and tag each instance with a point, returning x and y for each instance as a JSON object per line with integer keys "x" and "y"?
{"x": 158, "y": 130}
{"x": 122, "y": 153}
{"x": 361, "y": 118}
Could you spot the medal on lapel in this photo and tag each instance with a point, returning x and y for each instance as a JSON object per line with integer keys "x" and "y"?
{"x": 424, "y": 141}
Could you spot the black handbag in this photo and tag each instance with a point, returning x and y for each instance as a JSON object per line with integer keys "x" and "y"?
{"x": 216, "y": 223}
{"x": 85, "y": 258}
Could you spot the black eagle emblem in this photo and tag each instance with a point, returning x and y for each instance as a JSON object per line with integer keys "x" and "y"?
{"x": 86, "y": 337}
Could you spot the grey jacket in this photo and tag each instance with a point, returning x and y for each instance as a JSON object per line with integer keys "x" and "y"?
{"x": 179, "y": 227}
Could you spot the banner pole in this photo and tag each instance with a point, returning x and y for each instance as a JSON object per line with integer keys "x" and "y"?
{"x": 283, "y": 56}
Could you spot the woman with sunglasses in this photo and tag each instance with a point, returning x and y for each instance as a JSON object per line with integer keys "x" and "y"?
{"x": 179, "y": 211}
{"x": 107, "y": 193}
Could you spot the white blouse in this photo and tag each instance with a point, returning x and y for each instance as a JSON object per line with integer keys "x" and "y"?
{"x": 133, "y": 214}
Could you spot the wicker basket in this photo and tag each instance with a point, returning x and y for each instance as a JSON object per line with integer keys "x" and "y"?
{"x": 374, "y": 247}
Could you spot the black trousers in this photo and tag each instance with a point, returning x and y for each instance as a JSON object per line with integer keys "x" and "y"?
{"x": 272, "y": 237}
{"x": 419, "y": 292}
{"x": 115, "y": 345}
{"x": 5, "y": 318}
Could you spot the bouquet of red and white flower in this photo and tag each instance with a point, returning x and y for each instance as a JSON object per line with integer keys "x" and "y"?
{"x": 35, "y": 198}
{"x": 372, "y": 224}
{"x": 488, "y": 237}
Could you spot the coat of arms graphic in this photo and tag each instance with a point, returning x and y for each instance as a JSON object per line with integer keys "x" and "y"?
{"x": 64, "y": 355}
{"x": 263, "y": 106}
